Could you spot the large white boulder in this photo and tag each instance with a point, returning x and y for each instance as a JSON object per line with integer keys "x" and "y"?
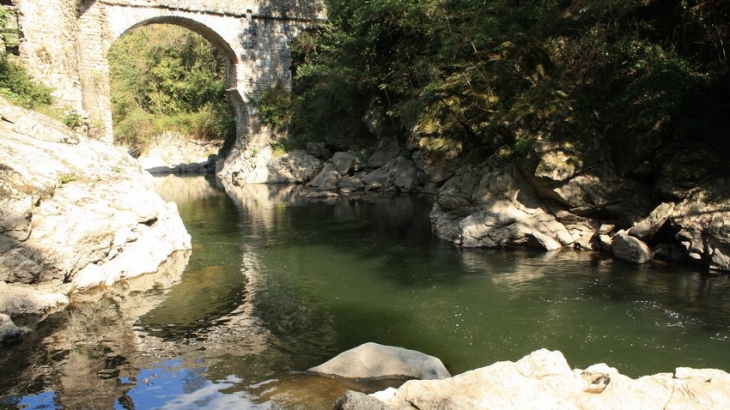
{"x": 543, "y": 380}
{"x": 74, "y": 213}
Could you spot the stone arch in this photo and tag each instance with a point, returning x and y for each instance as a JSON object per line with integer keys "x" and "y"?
{"x": 233, "y": 88}
{"x": 116, "y": 20}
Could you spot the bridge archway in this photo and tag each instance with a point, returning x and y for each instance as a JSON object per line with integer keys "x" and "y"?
{"x": 65, "y": 45}
{"x": 223, "y": 31}
{"x": 225, "y": 57}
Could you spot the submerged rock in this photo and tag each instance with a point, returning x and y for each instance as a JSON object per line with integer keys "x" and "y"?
{"x": 376, "y": 361}
{"x": 544, "y": 380}
{"x": 8, "y": 331}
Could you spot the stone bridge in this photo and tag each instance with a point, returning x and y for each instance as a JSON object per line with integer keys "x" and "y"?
{"x": 65, "y": 43}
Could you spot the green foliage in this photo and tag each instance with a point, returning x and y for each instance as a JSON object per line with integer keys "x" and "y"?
{"x": 72, "y": 120}
{"x": 166, "y": 78}
{"x": 66, "y": 178}
{"x": 274, "y": 107}
{"x": 18, "y": 86}
{"x": 624, "y": 78}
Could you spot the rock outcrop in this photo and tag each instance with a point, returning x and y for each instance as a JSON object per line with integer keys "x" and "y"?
{"x": 544, "y": 380}
{"x": 551, "y": 198}
{"x": 173, "y": 153}
{"x": 74, "y": 213}
{"x": 376, "y": 361}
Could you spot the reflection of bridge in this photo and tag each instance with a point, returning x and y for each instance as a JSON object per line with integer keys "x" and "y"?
{"x": 65, "y": 44}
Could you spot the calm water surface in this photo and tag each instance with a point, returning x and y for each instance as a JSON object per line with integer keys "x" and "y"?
{"x": 276, "y": 284}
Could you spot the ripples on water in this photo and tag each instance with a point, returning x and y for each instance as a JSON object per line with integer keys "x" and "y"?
{"x": 276, "y": 284}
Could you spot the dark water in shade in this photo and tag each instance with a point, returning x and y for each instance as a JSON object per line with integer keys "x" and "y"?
{"x": 277, "y": 284}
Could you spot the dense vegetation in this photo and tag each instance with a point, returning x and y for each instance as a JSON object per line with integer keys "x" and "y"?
{"x": 167, "y": 78}
{"x": 629, "y": 80}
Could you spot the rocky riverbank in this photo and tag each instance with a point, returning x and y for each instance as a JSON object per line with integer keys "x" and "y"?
{"x": 544, "y": 380}
{"x": 74, "y": 214}
{"x": 552, "y": 196}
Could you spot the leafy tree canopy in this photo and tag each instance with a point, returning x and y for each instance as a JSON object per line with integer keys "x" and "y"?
{"x": 165, "y": 77}
{"x": 626, "y": 76}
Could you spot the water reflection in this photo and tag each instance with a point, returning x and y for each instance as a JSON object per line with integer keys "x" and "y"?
{"x": 277, "y": 283}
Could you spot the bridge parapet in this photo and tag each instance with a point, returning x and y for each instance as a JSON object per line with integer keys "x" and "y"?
{"x": 278, "y": 9}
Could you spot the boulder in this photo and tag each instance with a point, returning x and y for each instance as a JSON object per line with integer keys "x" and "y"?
{"x": 630, "y": 249}
{"x": 376, "y": 361}
{"x": 352, "y": 183}
{"x": 359, "y": 401}
{"x": 649, "y": 226}
{"x": 346, "y": 162}
{"x": 388, "y": 150}
{"x": 326, "y": 180}
{"x": 253, "y": 166}
{"x": 74, "y": 216}
{"x": 545, "y": 380}
{"x": 493, "y": 206}
{"x": 319, "y": 150}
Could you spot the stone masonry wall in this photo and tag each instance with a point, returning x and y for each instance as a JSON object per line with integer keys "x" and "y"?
{"x": 49, "y": 46}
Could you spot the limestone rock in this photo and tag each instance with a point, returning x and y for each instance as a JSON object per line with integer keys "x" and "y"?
{"x": 75, "y": 216}
{"x": 544, "y": 380}
{"x": 649, "y": 226}
{"x": 359, "y": 401}
{"x": 263, "y": 167}
{"x": 701, "y": 220}
{"x": 346, "y": 162}
{"x": 352, "y": 183}
{"x": 319, "y": 150}
{"x": 384, "y": 153}
{"x": 175, "y": 153}
{"x": 326, "y": 180}
{"x": 493, "y": 206}
{"x": 630, "y": 249}
{"x": 375, "y": 361}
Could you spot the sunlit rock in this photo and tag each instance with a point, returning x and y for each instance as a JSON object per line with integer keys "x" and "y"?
{"x": 375, "y": 361}
{"x": 493, "y": 206}
{"x": 545, "y": 380}
{"x": 649, "y": 226}
{"x": 630, "y": 249}
{"x": 74, "y": 213}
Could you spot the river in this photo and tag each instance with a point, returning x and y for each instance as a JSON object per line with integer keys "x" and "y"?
{"x": 277, "y": 283}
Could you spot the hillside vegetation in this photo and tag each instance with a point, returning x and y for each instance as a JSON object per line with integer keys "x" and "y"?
{"x": 167, "y": 78}
{"x": 629, "y": 82}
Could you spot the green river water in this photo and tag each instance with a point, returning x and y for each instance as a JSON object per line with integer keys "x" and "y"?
{"x": 277, "y": 283}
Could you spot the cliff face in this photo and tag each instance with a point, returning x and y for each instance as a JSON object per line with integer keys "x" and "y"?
{"x": 555, "y": 195}
{"x": 74, "y": 214}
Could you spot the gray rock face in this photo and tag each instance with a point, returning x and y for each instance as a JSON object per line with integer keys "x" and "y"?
{"x": 630, "y": 249}
{"x": 375, "y": 361}
{"x": 702, "y": 221}
{"x": 263, "y": 167}
{"x": 327, "y": 179}
{"x": 386, "y": 152}
{"x": 74, "y": 217}
{"x": 494, "y": 206}
{"x": 649, "y": 226}
{"x": 544, "y": 380}
{"x": 359, "y": 401}
{"x": 346, "y": 162}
